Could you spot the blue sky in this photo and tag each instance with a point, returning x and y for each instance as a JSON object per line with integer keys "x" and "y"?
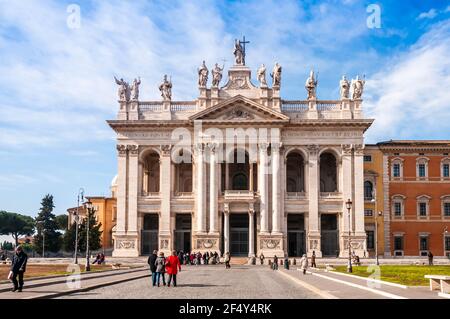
{"x": 57, "y": 87}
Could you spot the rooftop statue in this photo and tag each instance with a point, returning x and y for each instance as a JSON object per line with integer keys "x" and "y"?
{"x": 124, "y": 89}
{"x": 166, "y": 89}
{"x": 216, "y": 75}
{"x": 239, "y": 53}
{"x": 135, "y": 89}
{"x": 262, "y": 76}
{"x": 311, "y": 85}
{"x": 203, "y": 75}
{"x": 276, "y": 75}
{"x": 358, "y": 87}
{"x": 344, "y": 88}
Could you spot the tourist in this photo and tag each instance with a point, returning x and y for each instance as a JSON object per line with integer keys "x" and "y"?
{"x": 160, "y": 264}
{"x": 199, "y": 258}
{"x": 275, "y": 263}
{"x": 261, "y": 259}
{"x": 97, "y": 259}
{"x": 313, "y": 259}
{"x": 18, "y": 268}
{"x": 216, "y": 256}
{"x": 191, "y": 258}
{"x": 304, "y": 264}
{"x": 151, "y": 262}
{"x": 430, "y": 258}
{"x": 180, "y": 256}
{"x": 102, "y": 259}
{"x": 227, "y": 260}
{"x": 172, "y": 267}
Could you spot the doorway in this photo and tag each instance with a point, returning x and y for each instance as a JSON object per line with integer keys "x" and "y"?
{"x": 329, "y": 235}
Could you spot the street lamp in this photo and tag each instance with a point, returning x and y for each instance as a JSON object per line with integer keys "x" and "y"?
{"x": 379, "y": 214}
{"x": 41, "y": 222}
{"x": 348, "y": 204}
{"x": 77, "y": 219}
{"x": 88, "y": 206}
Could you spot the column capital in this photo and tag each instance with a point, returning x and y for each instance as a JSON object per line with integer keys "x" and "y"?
{"x": 313, "y": 149}
{"x": 133, "y": 150}
{"x": 199, "y": 147}
{"x": 251, "y": 208}
{"x": 276, "y": 147}
{"x": 263, "y": 146}
{"x": 347, "y": 149}
{"x": 121, "y": 149}
{"x": 212, "y": 146}
{"x": 359, "y": 149}
{"x": 165, "y": 149}
{"x": 226, "y": 208}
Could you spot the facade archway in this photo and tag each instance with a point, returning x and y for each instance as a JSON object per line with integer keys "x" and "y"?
{"x": 295, "y": 172}
{"x": 328, "y": 173}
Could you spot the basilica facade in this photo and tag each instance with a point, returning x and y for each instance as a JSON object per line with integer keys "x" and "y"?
{"x": 240, "y": 169}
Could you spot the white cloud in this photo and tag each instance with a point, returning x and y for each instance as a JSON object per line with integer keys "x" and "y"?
{"x": 430, "y": 14}
{"x": 409, "y": 98}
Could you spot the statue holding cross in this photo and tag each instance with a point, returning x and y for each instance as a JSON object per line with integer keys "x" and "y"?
{"x": 239, "y": 51}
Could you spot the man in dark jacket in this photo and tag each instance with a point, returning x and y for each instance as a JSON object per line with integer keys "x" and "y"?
{"x": 151, "y": 262}
{"x": 18, "y": 268}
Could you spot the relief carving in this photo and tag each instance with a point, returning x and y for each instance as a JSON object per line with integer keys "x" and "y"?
{"x": 270, "y": 243}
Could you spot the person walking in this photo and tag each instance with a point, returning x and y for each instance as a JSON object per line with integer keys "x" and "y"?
{"x": 430, "y": 258}
{"x": 18, "y": 268}
{"x": 173, "y": 265}
{"x": 275, "y": 263}
{"x": 227, "y": 260}
{"x": 151, "y": 261}
{"x": 160, "y": 264}
{"x": 304, "y": 264}
{"x": 261, "y": 259}
{"x": 313, "y": 259}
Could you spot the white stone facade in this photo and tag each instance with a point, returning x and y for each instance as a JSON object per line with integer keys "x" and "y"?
{"x": 299, "y": 163}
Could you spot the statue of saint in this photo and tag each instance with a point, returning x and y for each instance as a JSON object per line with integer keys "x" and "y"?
{"x": 124, "y": 89}
{"x": 276, "y": 75}
{"x": 166, "y": 89}
{"x": 261, "y": 74}
{"x": 239, "y": 55}
{"x": 344, "y": 88}
{"x": 216, "y": 75}
{"x": 135, "y": 89}
{"x": 311, "y": 85}
{"x": 358, "y": 87}
{"x": 202, "y": 75}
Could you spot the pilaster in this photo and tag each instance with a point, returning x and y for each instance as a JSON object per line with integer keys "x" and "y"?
{"x": 313, "y": 241}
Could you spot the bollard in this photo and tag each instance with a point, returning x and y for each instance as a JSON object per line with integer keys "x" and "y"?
{"x": 294, "y": 262}
{"x": 286, "y": 263}
{"x": 281, "y": 262}
{"x": 253, "y": 260}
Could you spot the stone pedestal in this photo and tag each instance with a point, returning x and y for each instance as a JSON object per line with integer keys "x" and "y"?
{"x": 125, "y": 245}
{"x": 271, "y": 245}
{"x": 206, "y": 243}
{"x": 313, "y": 244}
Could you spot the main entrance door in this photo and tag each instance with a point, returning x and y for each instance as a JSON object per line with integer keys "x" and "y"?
{"x": 296, "y": 235}
{"x": 329, "y": 235}
{"x": 149, "y": 234}
{"x": 183, "y": 226}
{"x": 239, "y": 234}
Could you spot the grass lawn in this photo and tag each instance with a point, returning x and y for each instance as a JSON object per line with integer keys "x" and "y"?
{"x": 405, "y": 275}
{"x": 37, "y": 270}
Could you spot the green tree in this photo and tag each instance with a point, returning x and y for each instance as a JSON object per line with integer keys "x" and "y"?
{"x": 94, "y": 235}
{"x": 6, "y": 245}
{"x": 61, "y": 221}
{"x": 15, "y": 225}
{"x": 47, "y": 226}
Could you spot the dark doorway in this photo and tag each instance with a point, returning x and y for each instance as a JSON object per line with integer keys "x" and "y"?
{"x": 239, "y": 234}
{"x": 183, "y": 225}
{"x": 330, "y": 235}
{"x": 149, "y": 234}
{"x": 296, "y": 235}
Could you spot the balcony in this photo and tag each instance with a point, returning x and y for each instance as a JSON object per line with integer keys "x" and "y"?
{"x": 183, "y": 195}
{"x": 239, "y": 195}
{"x": 151, "y": 194}
{"x": 330, "y": 195}
{"x": 295, "y": 195}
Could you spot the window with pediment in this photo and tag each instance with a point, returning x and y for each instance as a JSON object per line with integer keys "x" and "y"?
{"x": 445, "y": 200}
{"x": 397, "y": 168}
{"x": 423, "y": 206}
{"x": 422, "y": 167}
{"x": 445, "y": 168}
{"x": 398, "y": 210}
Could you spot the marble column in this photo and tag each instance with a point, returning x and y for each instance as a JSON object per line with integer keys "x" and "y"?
{"x": 133, "y": 168}
{"x": 213, "y": 189}
{"x": 359, "y": 190}
{"x": 200, "y": 204}
{"x": 313, "y": 242}
{"x": 226, "y": 229}
{"x": 251, "y": 234}
{"x": 121, "y": 188}
{"x": 347, "y": 192}
{"x": 165, "y": 189}
{"x": 276, "y": 217}
{"x": 250, "y": 178}
{"x": 262, "y": 187}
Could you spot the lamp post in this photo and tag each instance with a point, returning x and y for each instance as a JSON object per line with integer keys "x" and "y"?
{"x": 376, "y": 238}
{"x": 88, "y": 206}
{"x": 348, "y": 204}
{"x": 41, "y": 222}
{"x": 77, "y": 219}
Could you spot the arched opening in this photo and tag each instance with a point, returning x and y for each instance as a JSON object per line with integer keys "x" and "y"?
{"x": 183, "y": 175}
{"x": 368, "y": 190}
{"x": 295, "y": 177}
{"x": 151, "y": 173}
{"x": 328, "y": 173}
{"x": 238, "y": 171}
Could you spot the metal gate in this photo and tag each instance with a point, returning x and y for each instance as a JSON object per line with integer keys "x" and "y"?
{"x": 149, "y": 240}
{"x": 296, "y": 243}
{"x": 329, "y": 235}
{"x": 239, "y": 234}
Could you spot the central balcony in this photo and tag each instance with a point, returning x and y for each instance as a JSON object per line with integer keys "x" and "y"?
{"x": 238, "y": 195}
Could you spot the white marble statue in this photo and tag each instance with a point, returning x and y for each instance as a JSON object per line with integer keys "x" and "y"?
{"x": 124, "y": 89}
{"x": 261, "y": 74}
{"x": 166, "y": 89}
{"x": 202, "y": 75}
{"x": 276, "y": 75}
{"x": 311, "y": 85}
{"x": 358, "y": 87}
{"x": 135, "y": 89}
{"x": 344, "y": 86}
{"x": 216, "y": 75}
{"x": 239, "y": 55}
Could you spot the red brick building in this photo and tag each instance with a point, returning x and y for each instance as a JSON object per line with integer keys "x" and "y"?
{"x": 416, "y": 183}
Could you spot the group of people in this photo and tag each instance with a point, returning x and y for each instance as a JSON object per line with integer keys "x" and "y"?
{"x": 198, "y": 258}
{"x": 159, "y": 265}
{"x": 100, "y": 259}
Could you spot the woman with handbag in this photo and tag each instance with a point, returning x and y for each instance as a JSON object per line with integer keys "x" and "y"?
{"x": 173, "y": 265}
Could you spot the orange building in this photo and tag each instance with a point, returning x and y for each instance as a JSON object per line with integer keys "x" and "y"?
{"x": 416, "y": 185}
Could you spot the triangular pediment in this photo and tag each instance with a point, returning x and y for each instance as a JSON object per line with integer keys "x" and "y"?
{"x": 239, "y": 109}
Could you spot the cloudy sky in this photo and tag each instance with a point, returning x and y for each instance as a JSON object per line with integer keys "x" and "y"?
{"x": 57, "y": 87}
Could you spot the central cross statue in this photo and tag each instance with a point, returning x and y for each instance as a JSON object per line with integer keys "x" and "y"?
{"x": 239, "y": 51}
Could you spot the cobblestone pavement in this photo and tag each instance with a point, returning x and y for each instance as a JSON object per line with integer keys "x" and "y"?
{"x": 209, "y": 282}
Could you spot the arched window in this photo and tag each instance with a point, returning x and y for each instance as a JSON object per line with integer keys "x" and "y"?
{"x": 295, "y": 181}
{"x": 368, "y": 190}
{"x": 239, "y": 170}
{"x": 151, "y": 173}
{"x": 183, "y": 174}
{"x": 240, "y": 182}
{"x": 328, "y": 173}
